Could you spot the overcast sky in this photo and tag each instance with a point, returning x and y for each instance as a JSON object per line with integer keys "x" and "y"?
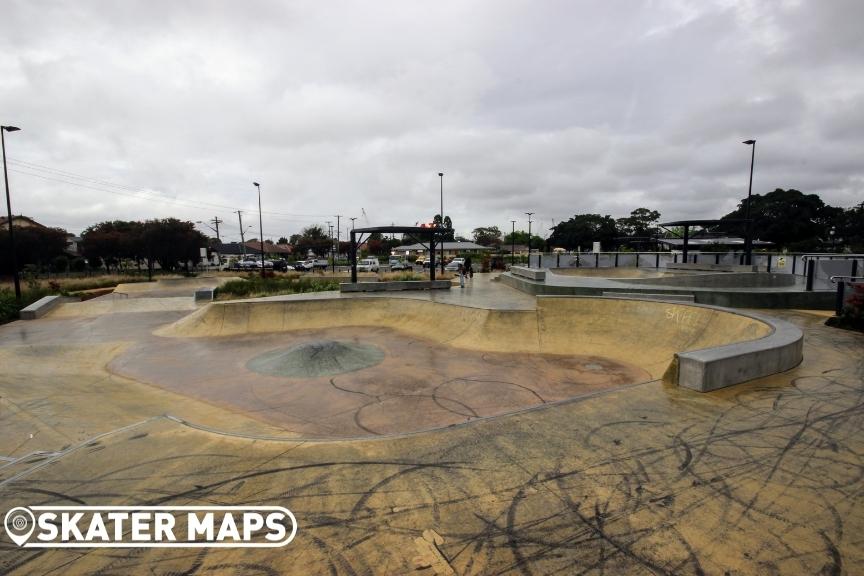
{"x": 157, "y": 108}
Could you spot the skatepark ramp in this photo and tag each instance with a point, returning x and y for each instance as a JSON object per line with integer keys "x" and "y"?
{"x": 698, "y": 347}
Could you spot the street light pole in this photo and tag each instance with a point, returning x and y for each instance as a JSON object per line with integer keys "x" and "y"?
{"x": 748, "y": 241}
{"x": 529, "y": 237}
{"x": 15, "y": 277}
{"x": 513, "y": 244}
{"x": 441, "y": 176}
{"x": 260, "y": 227}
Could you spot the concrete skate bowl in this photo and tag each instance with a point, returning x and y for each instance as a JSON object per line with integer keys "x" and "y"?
{"x": 616, "y": 273}
{"x": 361, "y": 367}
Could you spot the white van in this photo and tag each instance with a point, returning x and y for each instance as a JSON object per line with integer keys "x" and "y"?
{"x": 368, "y": 265}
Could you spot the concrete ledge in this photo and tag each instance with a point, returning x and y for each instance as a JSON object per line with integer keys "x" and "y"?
{"x": 40, "y": 308}
{"x": 204, "y": 294}
{"x": 538, "y": 275}
{"x": 719, "y": 280}
{"x": 394, "y": 286}
{"x": 713, "y": 267}
{"x": 646, "y": 296}
{"x": 714, "y": 368}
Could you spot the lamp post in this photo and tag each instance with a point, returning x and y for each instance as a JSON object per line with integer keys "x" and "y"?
{"x": 260, "y": 228}
{"x": 441, "y": 176}
{"x": 529, "y": 237}
{"x": 748, "y": 241}
{"x": 513, "y": 244}
{"x": 9, "y": 212}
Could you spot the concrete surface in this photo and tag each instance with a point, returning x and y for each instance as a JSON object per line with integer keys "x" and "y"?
{"x": 395, "y": 285}
{"x": 782, "y": 297}
{"x": 537, "y": 274}
{"x": 762, "y": 478}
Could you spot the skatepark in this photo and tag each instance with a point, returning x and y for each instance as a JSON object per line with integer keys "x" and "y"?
{"x": 473, "y": 431}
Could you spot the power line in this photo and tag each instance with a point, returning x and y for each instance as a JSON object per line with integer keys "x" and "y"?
{"x": 98, "y": 185}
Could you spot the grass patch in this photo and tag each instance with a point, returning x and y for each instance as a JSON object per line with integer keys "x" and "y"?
{"x": 256, "y": 287}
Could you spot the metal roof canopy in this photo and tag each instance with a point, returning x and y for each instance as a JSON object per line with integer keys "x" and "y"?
{"x": 686, "y": 224}
{"x": 416, "y": 232}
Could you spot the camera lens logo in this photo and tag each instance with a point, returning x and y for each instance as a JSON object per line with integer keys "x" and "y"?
{"x": 19, "y": 523}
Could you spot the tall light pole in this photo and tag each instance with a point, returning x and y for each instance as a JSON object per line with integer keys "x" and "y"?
{"x": 529, "y": 237}
{"x": 9, "y": 212}
{"x": 441, "y": 176}
{"x": 513, "y": 243}
{"x": 748, "y": 241}
{"x": 260, "y": 228}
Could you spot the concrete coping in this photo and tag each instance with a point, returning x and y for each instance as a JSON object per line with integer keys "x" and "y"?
{"x": 647, "y": 296}
{"x": 721, "y": 366}
{"x": 712, "y": 267}
{"x": 40, "y": 308}
{"x": 531, "y": 273}
{"x": 394, "y": 286}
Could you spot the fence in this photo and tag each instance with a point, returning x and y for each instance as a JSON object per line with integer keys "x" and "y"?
{"x": 815, "y": 269}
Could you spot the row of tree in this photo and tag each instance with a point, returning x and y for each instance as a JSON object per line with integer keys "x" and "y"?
{"x": 788, "y": 219}
{"x": 170, "y": 242}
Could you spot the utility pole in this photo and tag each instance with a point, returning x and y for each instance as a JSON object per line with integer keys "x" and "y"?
{"x": 216, "y": 221}
{"x": 242, "y": 238}
{"x": 529, "y": 236}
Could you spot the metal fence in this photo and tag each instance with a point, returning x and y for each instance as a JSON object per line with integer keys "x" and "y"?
{"x": 815, "y": 269}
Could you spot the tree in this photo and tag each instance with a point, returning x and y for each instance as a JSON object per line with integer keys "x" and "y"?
{"x": 788, "y": 218}
{"x": 111, "y": 242}
{"x": 311, "y": 238}
{"x": 282, "y": 240}
{"x": 640, "y": 222}
{"x": 849, "y": 228}
{"x": 447, "y": 225}
{"x": 172, "y": 242}
{"x": 582, "y": 230}
{"x": 521, "y": 237}
{"x": 33, "y": 245}
{"x": 487, "y": 236}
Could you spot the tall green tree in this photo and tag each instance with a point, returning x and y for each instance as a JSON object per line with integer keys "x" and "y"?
{"x": 487, "y": 235}
{"x": 520, "y": 237}
{"x": 311, "y": 238}
{"x": 641, "y": 222}
{"x": 582, "y": 230}
{"x": 34, "y": 245}
{"x": 447, "y": 224}
{"x": 788, "y": 218}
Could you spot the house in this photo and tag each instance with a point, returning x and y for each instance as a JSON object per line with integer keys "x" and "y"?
{"x": 450, "y": 249}
{"x": 253, "y": 247}
{"x": 20, "y": 222}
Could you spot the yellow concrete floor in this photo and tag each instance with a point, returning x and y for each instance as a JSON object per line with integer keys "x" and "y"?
{"x": 761, "y": 478}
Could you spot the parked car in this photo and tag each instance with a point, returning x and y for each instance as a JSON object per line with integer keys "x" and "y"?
{"x": 282, "y": 265}
{"x": 368, "y": 265}
{"x": 396, "y": 264}
{"x": 424, "y": 262}
{"x": 454, "y": 264}
{"x": 313, "y": 264}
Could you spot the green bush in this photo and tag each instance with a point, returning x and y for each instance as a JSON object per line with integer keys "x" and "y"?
{"x": 273, "y": 286}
